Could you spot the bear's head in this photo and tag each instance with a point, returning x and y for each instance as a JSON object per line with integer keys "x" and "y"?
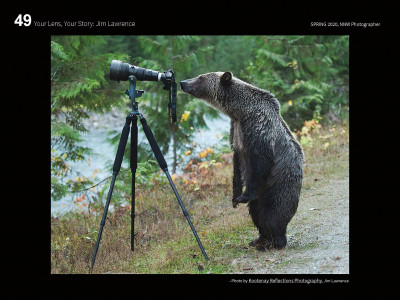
{"x": 212, "y": 87}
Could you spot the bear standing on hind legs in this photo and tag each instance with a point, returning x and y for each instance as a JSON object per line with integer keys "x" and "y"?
{"x": 267, "y": 159}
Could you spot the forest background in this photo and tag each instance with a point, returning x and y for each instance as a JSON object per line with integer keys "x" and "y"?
{"x": 309, "y": 75}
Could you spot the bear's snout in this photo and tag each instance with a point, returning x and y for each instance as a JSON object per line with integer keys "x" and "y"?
{"x": 188, "y": 85}
{"x": 183, "y": 85}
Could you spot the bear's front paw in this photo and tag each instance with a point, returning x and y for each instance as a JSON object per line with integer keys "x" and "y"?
{"x": 234, "y": 202}
{"x": 241, "y": 199}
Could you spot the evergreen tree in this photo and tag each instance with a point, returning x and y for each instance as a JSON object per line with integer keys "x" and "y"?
{"x": 232, "y": 53}
{"x": 307, "y": 74}
{"x": 78, "y": 86}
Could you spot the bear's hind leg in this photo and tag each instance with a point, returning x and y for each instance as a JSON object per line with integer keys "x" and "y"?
{"x": 275, "y": 237}
{"x": 264, "y": 241}
{"x": 270, "y": 223}
{"x": 270, "y": 237}
{"x": 277, "y": 207}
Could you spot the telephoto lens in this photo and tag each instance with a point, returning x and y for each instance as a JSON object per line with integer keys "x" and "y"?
{"x": 121, "y": 71}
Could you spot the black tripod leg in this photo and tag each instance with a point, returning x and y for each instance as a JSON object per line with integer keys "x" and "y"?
{"x": 161, "y": 161}
{"x": 116, "y": 168}
{"x": 133, "y": 165}
{"x": 186, "y": 214}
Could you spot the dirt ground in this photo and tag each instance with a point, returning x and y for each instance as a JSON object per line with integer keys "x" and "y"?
{"x": 318, "y": 235}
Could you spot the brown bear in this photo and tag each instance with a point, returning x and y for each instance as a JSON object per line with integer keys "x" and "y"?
{"x": 267, "y": 158}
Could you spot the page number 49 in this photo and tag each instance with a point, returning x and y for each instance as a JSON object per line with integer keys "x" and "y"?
{"x": 23, "y": 20}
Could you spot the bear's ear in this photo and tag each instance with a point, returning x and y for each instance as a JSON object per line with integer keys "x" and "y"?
{"x": 226, "y": 78}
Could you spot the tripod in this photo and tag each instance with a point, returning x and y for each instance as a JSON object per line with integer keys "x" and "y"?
{"x": 131, "y": 121}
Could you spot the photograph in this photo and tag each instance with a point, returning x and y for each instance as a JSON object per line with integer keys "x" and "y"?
{"x": 250, "y": 132}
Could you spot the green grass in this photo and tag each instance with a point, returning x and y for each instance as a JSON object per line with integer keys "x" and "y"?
{"x": 164, "y": 243}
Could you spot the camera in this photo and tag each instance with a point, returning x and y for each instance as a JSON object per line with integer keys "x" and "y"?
{"x": 120, "y": 70}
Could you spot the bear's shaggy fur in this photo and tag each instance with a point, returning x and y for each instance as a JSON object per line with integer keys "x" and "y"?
{"x": 267, "y": 158}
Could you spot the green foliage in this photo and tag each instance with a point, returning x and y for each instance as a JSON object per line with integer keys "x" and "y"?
{"x": 307, "y": 74}
{"x": 78, "y": 86}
